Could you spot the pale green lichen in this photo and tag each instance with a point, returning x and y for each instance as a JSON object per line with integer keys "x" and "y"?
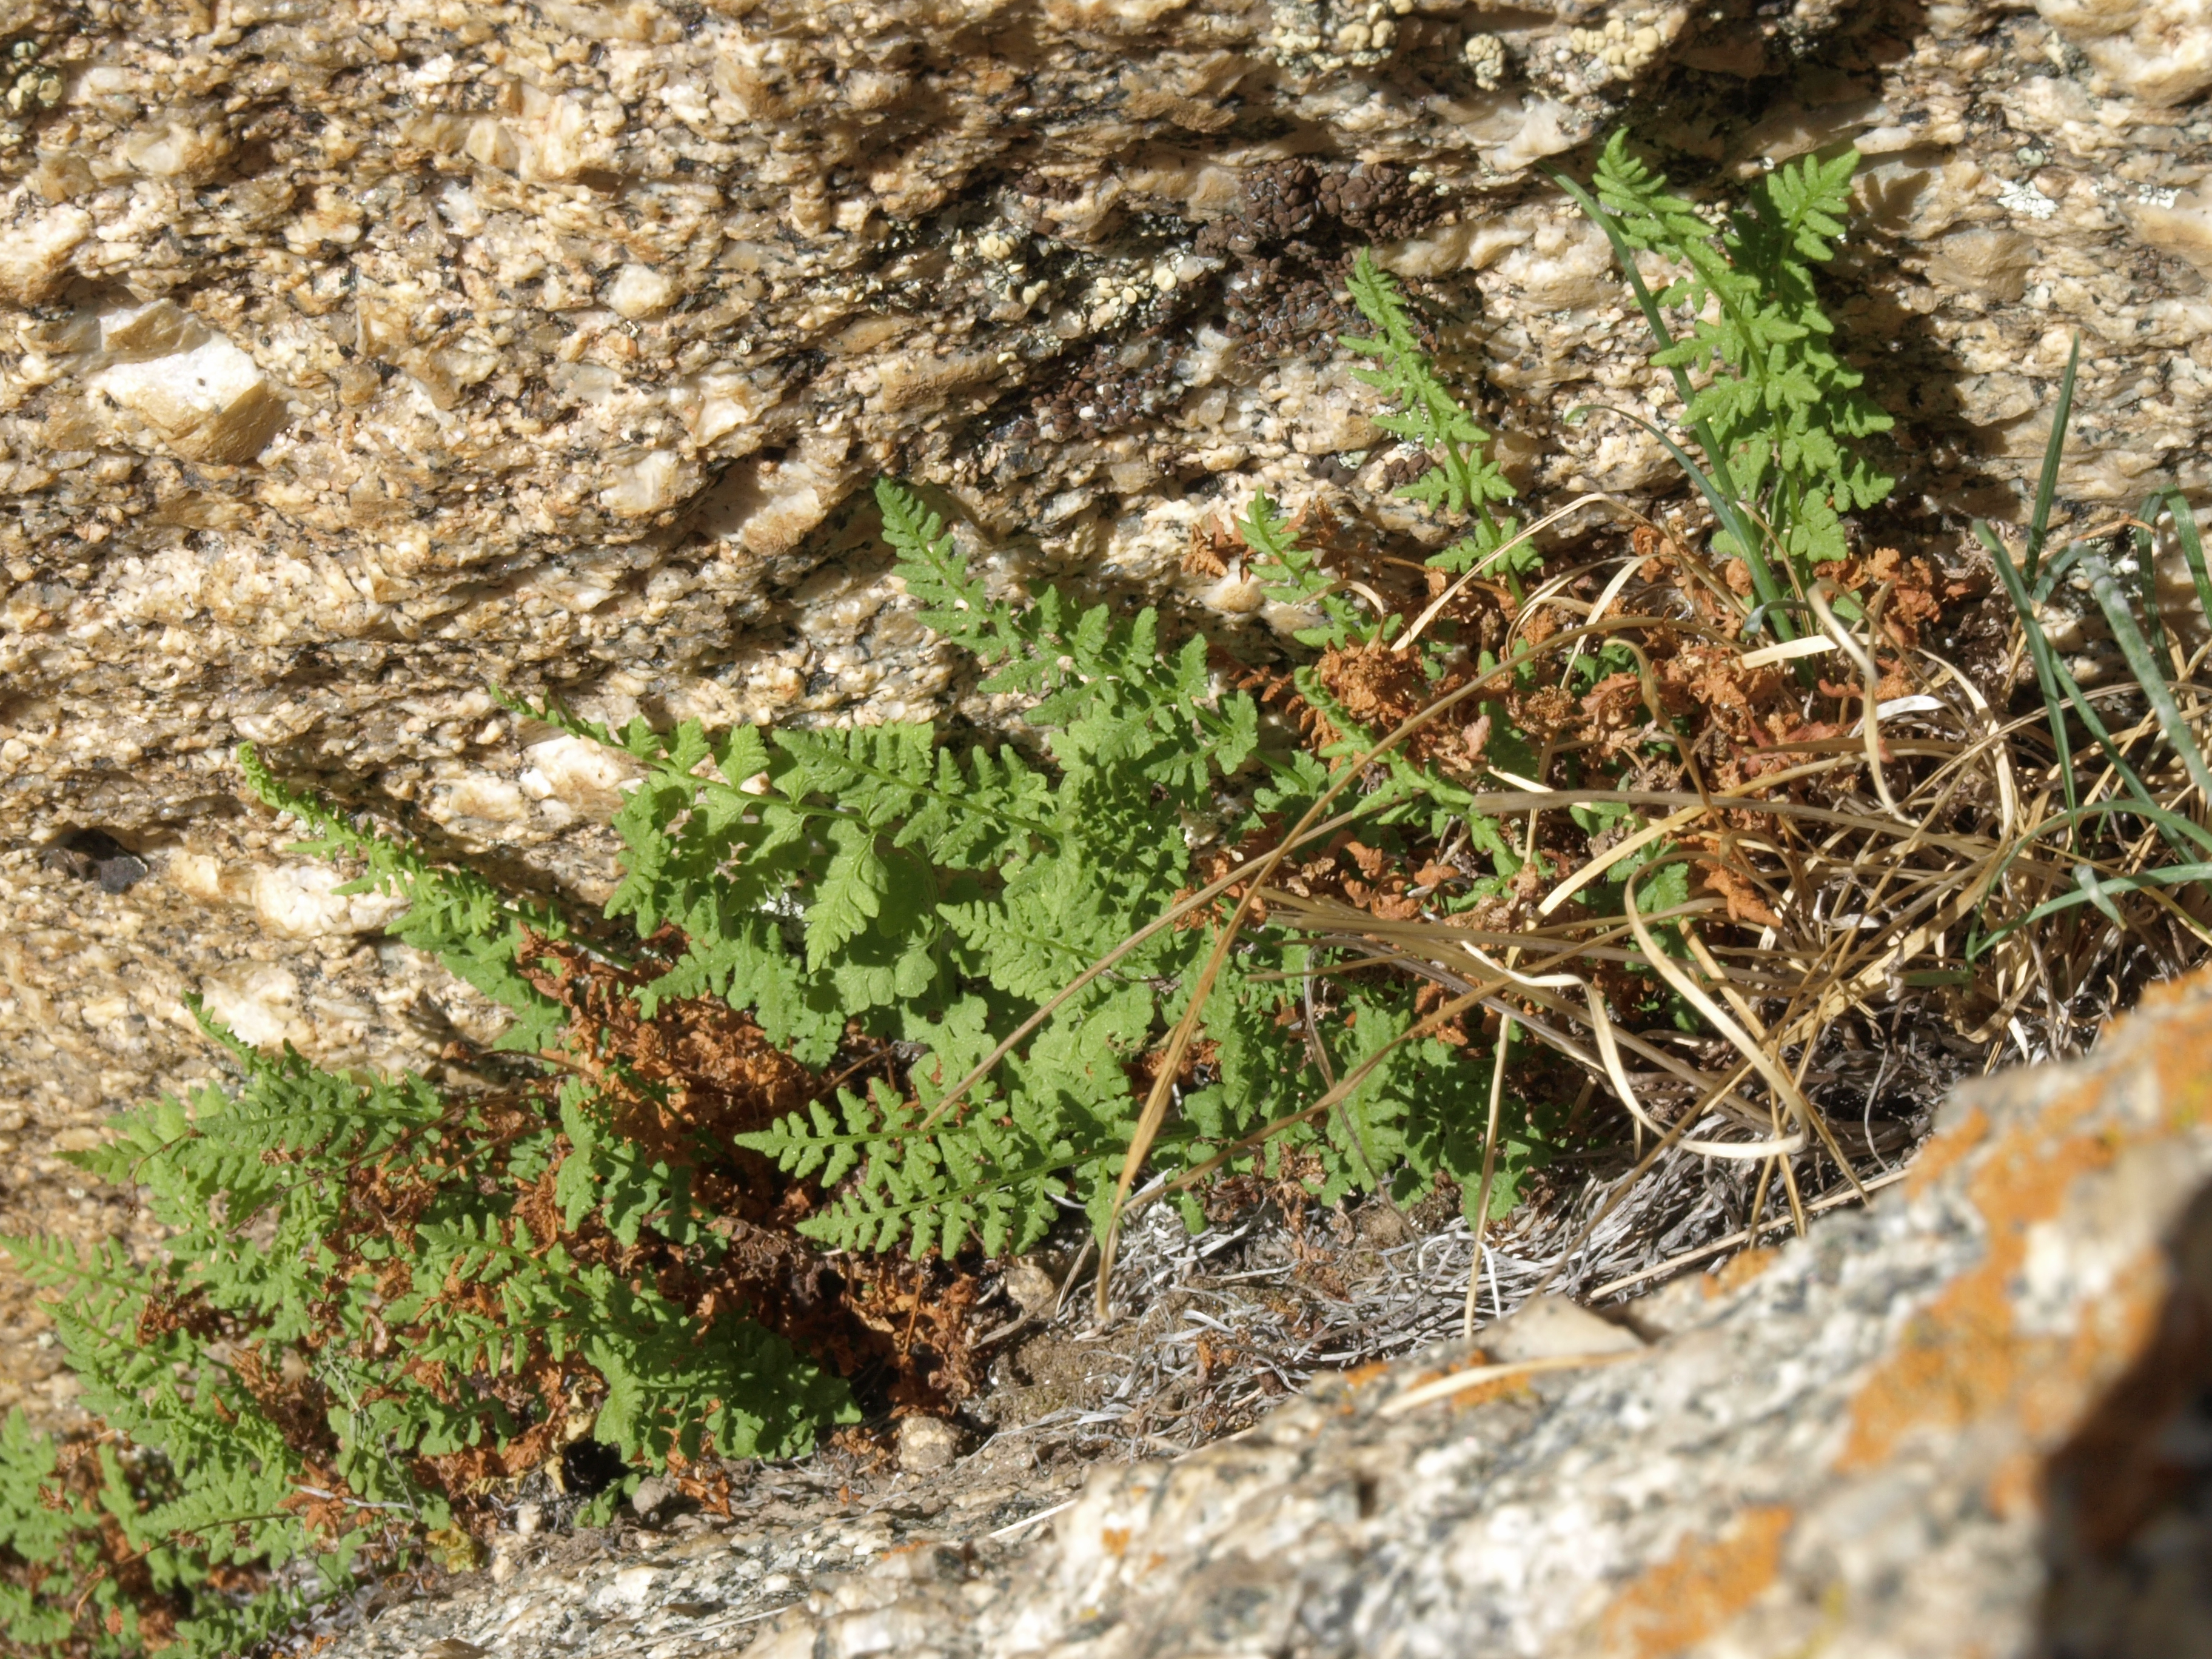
{"x": 32, "y": 83}
{"x": 1485, "y": 58}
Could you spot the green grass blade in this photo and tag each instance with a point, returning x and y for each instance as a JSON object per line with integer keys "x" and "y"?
{"x": 2046, "y": 486}
{"x": 2166, "y": 819}
{"x": 2147, "y": 580}
{"x": 2040, "y": 653}
{"x": 2192, "y": 546}
{"x": 1773, "y": 601}
{"x": 2144, "y": 802}
{"x": 2173, "y": 875}
{"x": 2106, "y": 589}
{"x": 2050, "y": 673}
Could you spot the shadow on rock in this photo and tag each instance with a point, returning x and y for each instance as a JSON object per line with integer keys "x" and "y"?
{"x": 2130, "y": 1498}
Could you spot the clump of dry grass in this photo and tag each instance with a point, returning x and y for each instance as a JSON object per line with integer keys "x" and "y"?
{"x": 1877, "y": 838}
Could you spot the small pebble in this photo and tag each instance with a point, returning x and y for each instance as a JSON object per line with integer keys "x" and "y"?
{"x": 653, "y": 1492}
{"x": 926, "y": 1444}
{"x": 1032, "y": 1288}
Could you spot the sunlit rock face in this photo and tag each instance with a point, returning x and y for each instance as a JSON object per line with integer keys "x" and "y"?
{"x": 359, "y": 355}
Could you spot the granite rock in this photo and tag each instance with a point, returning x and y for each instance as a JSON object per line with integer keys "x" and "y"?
{"x": 358, "y": 356}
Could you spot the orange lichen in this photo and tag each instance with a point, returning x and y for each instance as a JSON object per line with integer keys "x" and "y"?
{"x": 1482, "y": 1391}
{"x": 1742, "y": 1269}
{"x": 1475, "y": 1359}
{"x": 2012, "y": 1491}
{"x": 1700, "y": 1588}
{"x": 1964, "y": 1357}
{"x": 2168, "y": 993}
{"x": 2120, "y": 1322}
{"x": 1945, "y": 1149}
{"x": 2184, "y": 1088}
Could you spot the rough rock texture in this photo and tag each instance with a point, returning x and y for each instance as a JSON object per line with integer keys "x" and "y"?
{"x": 695, "y": 1583}
{"x": 1969, "y": 1420}
{"x": 355, "y": 354}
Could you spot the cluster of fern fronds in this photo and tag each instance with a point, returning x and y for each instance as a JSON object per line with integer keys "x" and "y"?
{"x": 1527, "y": 850}
{"x": 376, "y": 1297}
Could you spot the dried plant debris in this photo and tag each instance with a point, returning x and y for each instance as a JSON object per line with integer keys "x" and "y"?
{"x": 1266, "y": 276}
{"x": 1211, "y": 1329}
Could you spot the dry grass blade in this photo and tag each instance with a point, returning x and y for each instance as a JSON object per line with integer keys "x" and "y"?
{"x": 1437, "y": 606}
{"x": 1857, "y": 881}
{"x": 1453, "y": 1383}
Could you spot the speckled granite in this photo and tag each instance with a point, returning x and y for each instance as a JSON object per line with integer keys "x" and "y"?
{"x": 1971, "y": 1420}
{"x": 355, "y": 354}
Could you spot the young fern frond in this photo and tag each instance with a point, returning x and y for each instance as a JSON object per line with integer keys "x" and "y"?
{"x": 956, "y": 605}
{"x": 1293, "y": 576}
{"x": 978, "y": 1178}
{"x": 1091, "y": 673}
{"x": 1463, "y": 478}
{"x": 1787, "y": 414}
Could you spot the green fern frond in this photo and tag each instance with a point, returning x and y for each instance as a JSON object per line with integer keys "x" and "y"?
{"x": 478, "y": 931}
{"x": 1294, "y": 576}
{"x": 955, "y": 604}
{"x": 1784, "y": 410}
{"x": 1463, "y": 478}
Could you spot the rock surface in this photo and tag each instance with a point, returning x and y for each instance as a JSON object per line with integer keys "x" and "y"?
{"x": 1970, "y": 1419}
{"x": 358, "y": 355}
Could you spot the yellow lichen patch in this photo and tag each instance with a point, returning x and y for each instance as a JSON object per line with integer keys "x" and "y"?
{"x": 1941, "y": 1153}
{"x": 1742, "y": 1269}
{"x": 1699, "y": 1588}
